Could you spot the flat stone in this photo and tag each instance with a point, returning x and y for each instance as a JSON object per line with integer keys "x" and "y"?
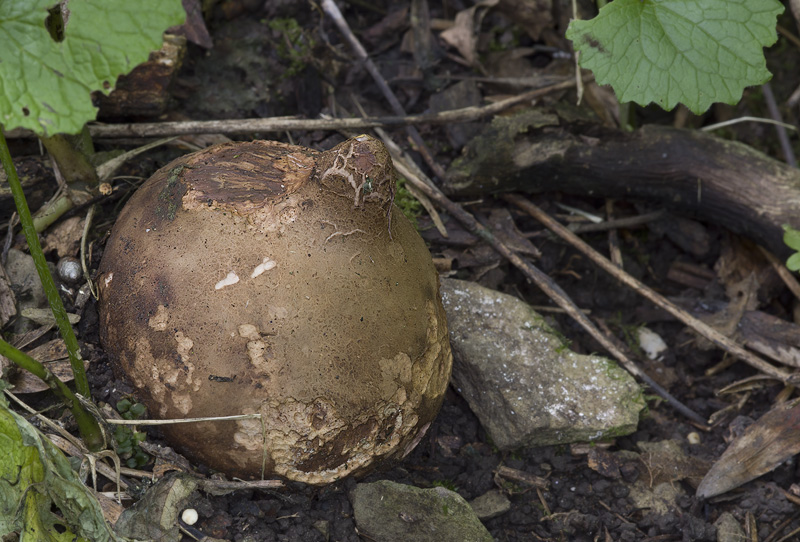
{"x": 522, "y": 381}
{"x": 26, "y": 286}
{"x": 389, "y": 512}
{"x": 490, "y": 505}
{"x": 728, "y": 529}
{"x": 25, "y": 279}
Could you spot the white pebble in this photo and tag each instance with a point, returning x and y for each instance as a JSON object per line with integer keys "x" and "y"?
{"x": 693, "y": 437}
{"x": 189, "y": 516}
{"x": 652, "y": 343}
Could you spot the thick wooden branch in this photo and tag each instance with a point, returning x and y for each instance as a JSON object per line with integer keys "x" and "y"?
{"x": 687, "y": 171}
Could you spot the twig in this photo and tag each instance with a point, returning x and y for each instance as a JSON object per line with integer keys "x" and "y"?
{"x": 546, "y": 285}
{"x": 282, "y": 124}
{"x": 746, "y": 118}
{"x": 788, "y": 278}
{"x": 86, "y": 225}
{"x": 184, "y": 420}
{"x": 700, "y": 327}
{"x": 521, "y": 476}
{"x": 783, "y": 137}
{"x": 617, "y": 223}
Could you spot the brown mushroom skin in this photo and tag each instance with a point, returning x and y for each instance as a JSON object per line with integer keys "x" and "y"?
{"x": 264, "y": 278}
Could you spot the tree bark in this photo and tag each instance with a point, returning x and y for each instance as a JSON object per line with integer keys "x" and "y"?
{"x": 689, "y": 172}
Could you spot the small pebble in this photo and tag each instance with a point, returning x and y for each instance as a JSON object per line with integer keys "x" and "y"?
{"x": 69, "y": 270}
{"x": 189, "y": 516}
{"x": 693, "y": 437}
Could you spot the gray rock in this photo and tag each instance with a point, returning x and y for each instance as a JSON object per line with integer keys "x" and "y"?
{"x": 490, "y": 505}
{"x": 728, "y": 529}
{"x": 657, "y": 500}
{"x": 24, "y": 279}
{"x": 387, "y": 511}
{"x": 25, "y": 284}
{"x": 522, "y": 381}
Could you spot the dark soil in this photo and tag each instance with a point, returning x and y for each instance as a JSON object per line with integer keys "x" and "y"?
{"x": 247, "y": 75}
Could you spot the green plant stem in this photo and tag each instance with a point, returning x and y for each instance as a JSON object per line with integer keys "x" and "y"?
{"x": 60, "y": 314}
{"x": 73, "y": 164}
{"x": 51, "y": 212}
{"x": 89, "y": 428}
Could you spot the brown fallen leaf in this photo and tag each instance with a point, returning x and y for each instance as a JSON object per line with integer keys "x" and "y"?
{"x": 771, "y": 440}
{"x": 52, "y": 355}
{"x": 666, "y": 462}
{"x": 64, "y": 237}
{"x": 463, "y": 35}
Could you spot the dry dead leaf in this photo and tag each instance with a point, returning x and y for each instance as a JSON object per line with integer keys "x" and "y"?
{"x": 743, "y": 297}
{"x": 740, "y": 258}
{"x": 52, "y": 355}
{"x": 771, "y": 440}
{"x": 64, "y": 237}
{"x": 464, "y": 33}
{"x": 666, "y": 462}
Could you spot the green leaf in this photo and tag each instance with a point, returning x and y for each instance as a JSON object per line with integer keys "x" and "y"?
{"x": 35, "y": 477}
{"x": 45, "y": 85}
{"x": 667, "y": 51}
{"x": 791, "y": 237}
{"x": 793, "y": 263}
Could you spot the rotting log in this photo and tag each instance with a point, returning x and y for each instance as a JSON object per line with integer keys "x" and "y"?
{"x": 689, "y": 172}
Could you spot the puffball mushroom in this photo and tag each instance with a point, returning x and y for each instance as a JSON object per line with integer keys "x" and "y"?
{"x": 266, "y": 278}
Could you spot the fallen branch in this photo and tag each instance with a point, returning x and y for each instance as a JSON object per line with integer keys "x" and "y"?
{"x": 687, "y": 171}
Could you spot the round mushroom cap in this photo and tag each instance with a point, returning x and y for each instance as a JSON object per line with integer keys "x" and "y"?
{"x": 269, "y": 279}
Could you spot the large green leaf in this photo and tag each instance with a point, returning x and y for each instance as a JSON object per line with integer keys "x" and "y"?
{"x": 35, "y": 477}
{"x": 45, "y": 85}
{"x": 695, "y": 52}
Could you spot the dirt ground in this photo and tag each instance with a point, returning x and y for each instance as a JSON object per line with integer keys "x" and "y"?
{"x": 257, "y": 69}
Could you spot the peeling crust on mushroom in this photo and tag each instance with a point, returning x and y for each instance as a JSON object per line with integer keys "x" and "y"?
{"x": 267, "y": 278}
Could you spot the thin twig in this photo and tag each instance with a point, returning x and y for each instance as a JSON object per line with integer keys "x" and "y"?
{"x": 617, "y": 223}
{"x": 86, "y": 225}
{"x": 788, "y": 278}
{"x": 235, "y": 417}
{"x": 775, "y": 113}
{"x": 700, "y": 327}
{"x": 282, "y": 124}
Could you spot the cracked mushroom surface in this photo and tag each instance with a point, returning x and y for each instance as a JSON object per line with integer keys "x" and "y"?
{"x": 265, "y": 278}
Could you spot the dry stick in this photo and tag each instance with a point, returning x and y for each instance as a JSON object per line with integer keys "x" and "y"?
{"x": 775, "y": 113}
{"x": 617, "y": 223}
{"x": 701, "y": 327}
{"x": 788, "y": 278}
{"x": 330, "y": 7}
{"x": 282, "y": 124}
{"x": 544, "y": 283}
